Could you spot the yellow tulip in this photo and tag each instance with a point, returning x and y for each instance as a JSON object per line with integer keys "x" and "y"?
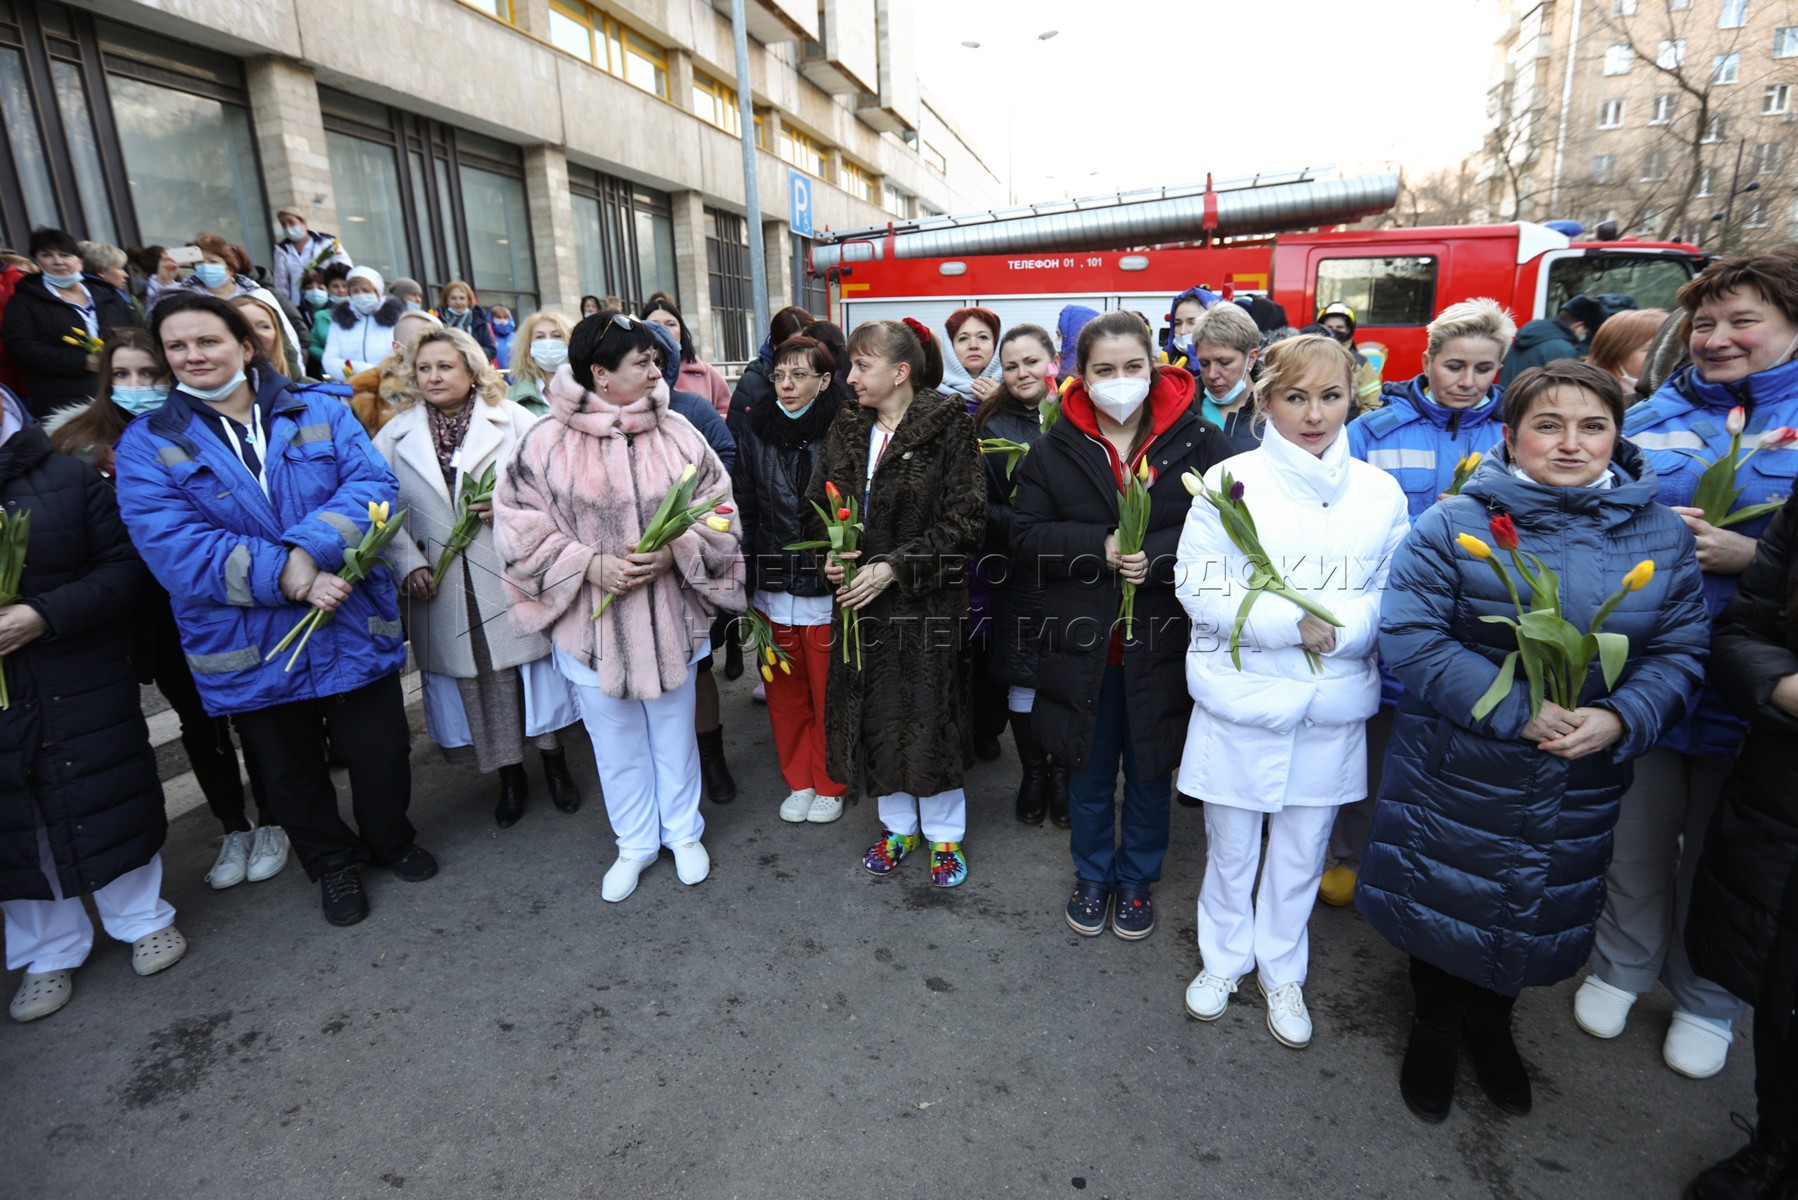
{"x": 1142, "y": 472}
{"x": 1639, "y": 575}
{"x": 786, "y": 668}
{"x": 769, "y": 652}
{"x": 1193, "y": 484}
{"x": 1474, "y": 546}
{"x": 767, "y": 675}
{"x": 721, "y": 524}
{"x": 378, "y": 514}
{"x": 688, "y": 473}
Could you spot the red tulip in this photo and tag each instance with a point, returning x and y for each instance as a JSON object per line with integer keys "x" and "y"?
{"x": 1504, "y": 533}
{"x": 1785, "y": 435}
{"x": 722, "y": 510}
{"x": 830, "y": 489}
{"x": 842, "y": 514}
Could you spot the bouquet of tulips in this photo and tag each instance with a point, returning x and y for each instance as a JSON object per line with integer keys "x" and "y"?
{"x": 468, "y": 523}
{"x": 1717, "y": 489}
{"x": 15, "y": 531}
{"x": 1463, "y": 472}
{"x": 842, "y": 532}
{"x": 1239, "y": 524}
{"x": 767, "y": 652}
{"x": 678, "y": 513}
{"x": 358, "y": 563}
{"x": 1133, "y": 526}
{"x": 82, "y": 340}
{"x": 1555, "y": 654}
{"x": 322, "y": 257}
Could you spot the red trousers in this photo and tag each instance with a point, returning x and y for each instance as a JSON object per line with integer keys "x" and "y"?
{"x": 796, "y": 707}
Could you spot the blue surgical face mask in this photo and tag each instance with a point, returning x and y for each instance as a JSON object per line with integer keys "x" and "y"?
{"x": 334, "y": 300}
{"x": 214, "y": 395}
{"x": 503, "y": 327}
{"x": 62, "y": 281}
{"x": 365, "y": 302}
{"x": 549, "y": 353}
{"x": 414, "y": 306}
{"x": 794, "y": 416}
{"x": 1229, "y": 397}
{"x": 139, "y": 400}
{"x": 316, "y": 297}
{"x": 210, "y": 273}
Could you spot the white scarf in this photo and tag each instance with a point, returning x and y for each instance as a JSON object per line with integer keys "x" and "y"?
{"x": 1324, "y": 476}
{"x": 956, "y": 378}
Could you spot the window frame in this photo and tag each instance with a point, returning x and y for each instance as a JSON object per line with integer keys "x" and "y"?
{"x": 1610, "y": 113}
{"x": 1776, "y": 100}
{"x": 1732, "y": 14}
{"x": 1369, "y": 312}
{"x": 1726, "y": 68}
{"x": 1618, "y": 59}
{"x": 1668, "y": 101}
{"x": 1785, "y": 38}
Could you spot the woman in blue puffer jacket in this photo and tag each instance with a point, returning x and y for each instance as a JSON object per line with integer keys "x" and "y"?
{"x": 242, "y": 493}
{"x": 1486, "y": 858}
{"x": 1741, "y": 316}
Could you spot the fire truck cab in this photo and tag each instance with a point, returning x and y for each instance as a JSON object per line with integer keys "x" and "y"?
{"x": 1396, "y": 280}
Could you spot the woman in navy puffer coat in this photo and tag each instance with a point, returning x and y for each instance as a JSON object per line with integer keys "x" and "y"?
{"x": 1486, "y": 858}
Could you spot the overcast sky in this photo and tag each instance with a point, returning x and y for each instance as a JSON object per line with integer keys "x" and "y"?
{"x": 1127, "y": 95}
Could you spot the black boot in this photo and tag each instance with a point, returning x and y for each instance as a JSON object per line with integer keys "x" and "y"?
{"x": 719, "y": 786}
{"x": 1755, "y": 1172}
{"x": 513, "y": 788}
{"x": 1496, "y": 1062}
{"x": 1055, "y": 779}
{"x": 562, "y": 792}
{"x": 733, "y": 654}
{"x": 1033, "y": 801}
{"x": 1427, "y": 1079}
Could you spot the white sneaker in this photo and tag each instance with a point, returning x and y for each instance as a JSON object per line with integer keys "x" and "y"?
{"x": 691, "y": 863}
{"x": 1208, "y": 995}
{"x": 1600, "y": 1009}
{"x": 1695, "y": 1047}
{"x": 621, "y": 878}
{"x": 232, "y": 863}
{"x": 268, "y": 853}
{"x": 797, "y": 804}
{"x": 825, "y": 809}
{"x": 1287, "y": 1019}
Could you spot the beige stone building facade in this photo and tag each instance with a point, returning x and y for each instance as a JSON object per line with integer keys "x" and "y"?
{"x": 541, "y": 149}
{"x": 1674, "y": 118}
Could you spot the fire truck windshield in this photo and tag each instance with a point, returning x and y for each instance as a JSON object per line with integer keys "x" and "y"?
{"x": 1650, "y": 280}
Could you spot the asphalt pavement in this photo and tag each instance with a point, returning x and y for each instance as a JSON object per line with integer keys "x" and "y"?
{"x": 793, "y": 1027}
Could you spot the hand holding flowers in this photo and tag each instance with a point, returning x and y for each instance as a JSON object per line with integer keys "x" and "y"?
{"x": 326, "y": 591}
{"x": 652, "y": 557}
{"x": 1717, "y": 491}
{"x": 842, "y": 535}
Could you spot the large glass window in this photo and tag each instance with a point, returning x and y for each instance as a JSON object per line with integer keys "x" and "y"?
{"x": 84, "y": 152}
{"x": 192, "y": 166}
{"x": 1382, "y": 291}
{"x": 369, "y": 204}
{"x": 499, "y": 236}
{"x": 623, "y": 237}
{"x": 20, "y": 116}
{"x": 727, "y": 272}
{"x": 614, "y": 48}
{"x": 1652, "y": 280}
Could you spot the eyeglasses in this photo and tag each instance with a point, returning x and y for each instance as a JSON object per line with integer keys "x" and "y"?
{"x": 623, "y": 321}
{"x": 799, "y": 377}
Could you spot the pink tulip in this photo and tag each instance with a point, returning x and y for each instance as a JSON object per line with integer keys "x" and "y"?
{"x": 1737, "y": 420}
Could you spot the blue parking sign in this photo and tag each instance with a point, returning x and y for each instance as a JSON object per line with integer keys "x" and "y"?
{"x": 799, "y": 191}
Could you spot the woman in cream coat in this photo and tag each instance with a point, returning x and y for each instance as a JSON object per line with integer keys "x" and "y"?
{"x": 1276, "y": 739}
{"x": 487, "y": 688}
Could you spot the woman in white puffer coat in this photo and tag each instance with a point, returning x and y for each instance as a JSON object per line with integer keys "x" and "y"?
{"x": 1277, "y": 738}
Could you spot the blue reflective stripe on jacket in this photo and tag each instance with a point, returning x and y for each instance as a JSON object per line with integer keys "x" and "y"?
{"x": 1487, "y": 856}
{"x": 1688, "y": 414}
{"x": 218, "y": 544}
{"x": 1419, "y": 444}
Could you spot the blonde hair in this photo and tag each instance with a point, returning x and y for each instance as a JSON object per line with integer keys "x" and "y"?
{"x": 1480, "y": 317}
{"x": 277, "y": 357}
{"x": 487, "y": 383}
{"x": 523, "y": 365}
{"x": 99, "y": 256}
{"x": 1227, "y": 325}
{"x": 1292, "y": 359}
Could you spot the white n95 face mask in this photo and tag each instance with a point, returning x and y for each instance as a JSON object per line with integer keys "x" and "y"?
{"x": 1119, "y": 398}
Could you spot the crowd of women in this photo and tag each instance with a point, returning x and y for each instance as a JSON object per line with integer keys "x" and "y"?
{"x": 1237, "y": 578}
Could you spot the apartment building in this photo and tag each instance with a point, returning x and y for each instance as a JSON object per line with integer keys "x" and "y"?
{"x": 1674, "y": 118}
{"x": 541, "y": 149}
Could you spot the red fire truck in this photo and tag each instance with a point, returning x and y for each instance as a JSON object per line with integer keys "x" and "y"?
{"x": 1139, "y": 250}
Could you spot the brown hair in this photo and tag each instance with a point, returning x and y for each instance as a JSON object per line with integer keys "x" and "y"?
{"x": 1538, "y": 382}
{"x": 1770, "y": 274}
{"x": 811, "y": 351}
{"x": 212, "y": 243}
{"x": 1017, "y": 333}
{"x": 101, "y": 422}
{"x": 1622, "y": 335}
{"x": 788, "y": 322}
{"x": 898, "y": 342}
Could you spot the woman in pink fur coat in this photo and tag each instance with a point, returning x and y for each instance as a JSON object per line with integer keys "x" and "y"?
{"x": 567, "y": 515}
